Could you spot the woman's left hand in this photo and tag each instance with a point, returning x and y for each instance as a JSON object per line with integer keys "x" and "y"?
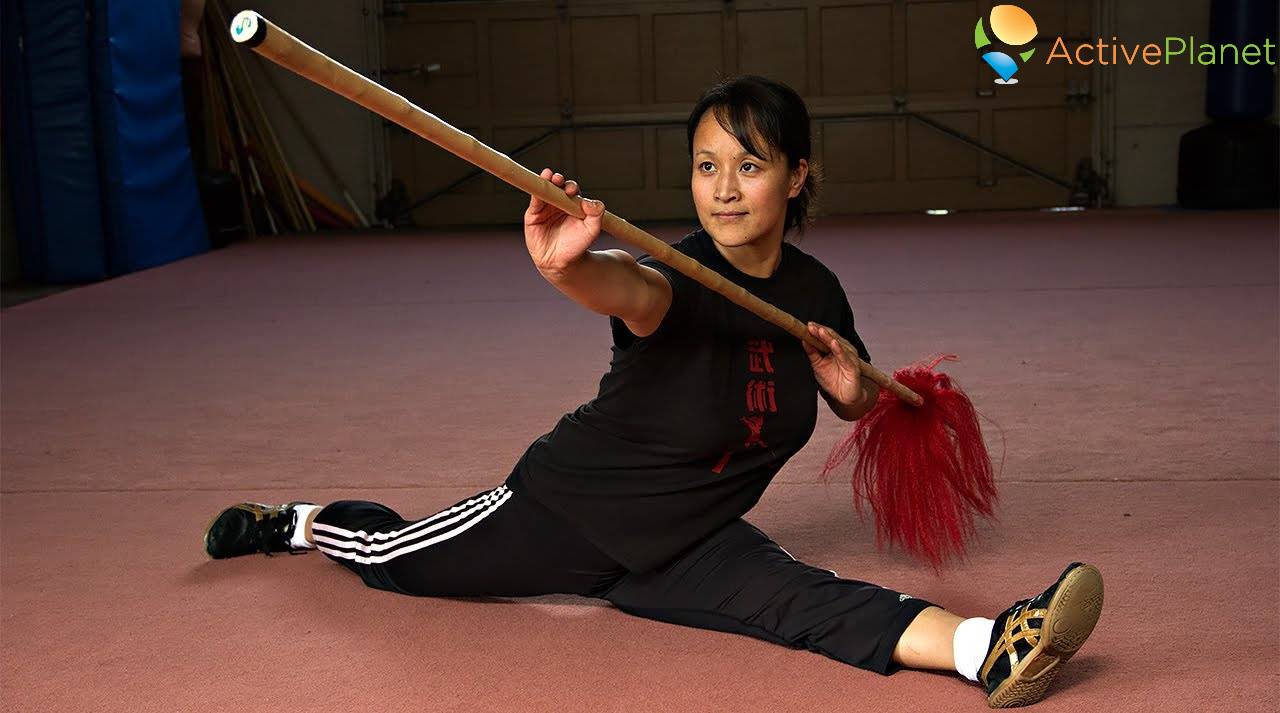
{"x": 839, "y": 371}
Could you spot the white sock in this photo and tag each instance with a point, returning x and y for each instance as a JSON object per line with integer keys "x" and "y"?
{"x": 969, "y": 646}
{"x": 299, "y": 539}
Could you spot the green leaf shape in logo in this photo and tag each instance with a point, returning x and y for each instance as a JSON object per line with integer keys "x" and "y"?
{"x": 980, "y": 39}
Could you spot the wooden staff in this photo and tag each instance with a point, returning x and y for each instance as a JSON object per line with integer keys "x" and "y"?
{"x": 317, "y": 196}
{"x": 318, "y": 151}
{"x": 268, "y": 40}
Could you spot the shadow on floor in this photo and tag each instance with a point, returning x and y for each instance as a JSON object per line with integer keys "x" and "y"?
{"x": 18, "y": 292}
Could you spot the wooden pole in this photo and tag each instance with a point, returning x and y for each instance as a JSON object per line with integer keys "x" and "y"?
{"x": 320, "y": 154}
{"x": 318, "y": 197}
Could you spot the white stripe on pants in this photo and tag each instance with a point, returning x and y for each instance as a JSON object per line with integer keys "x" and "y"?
{"x": 380, "y": 547}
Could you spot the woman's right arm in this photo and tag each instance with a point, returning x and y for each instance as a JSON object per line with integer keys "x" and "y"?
{"x": 608, "y": 282}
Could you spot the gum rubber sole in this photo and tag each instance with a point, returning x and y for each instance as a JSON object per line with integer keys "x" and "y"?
{"x": 1071, "y": 615}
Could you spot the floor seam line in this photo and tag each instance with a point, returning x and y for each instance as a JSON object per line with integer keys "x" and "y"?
{"x": 234, "y": 488}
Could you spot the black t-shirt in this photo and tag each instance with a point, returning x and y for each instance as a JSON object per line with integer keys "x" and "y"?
{"x": 693, "y": 421}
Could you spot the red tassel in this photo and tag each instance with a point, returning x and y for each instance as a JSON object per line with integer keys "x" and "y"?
{"x": 924, "y": 470}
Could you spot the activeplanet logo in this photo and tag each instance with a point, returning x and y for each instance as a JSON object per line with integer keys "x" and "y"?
{"x": 1014, "y": 27}
{"x": 1173, "y": 48}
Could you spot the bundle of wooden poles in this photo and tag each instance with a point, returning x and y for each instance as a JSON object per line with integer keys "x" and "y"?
{"x": 241, "y": 140}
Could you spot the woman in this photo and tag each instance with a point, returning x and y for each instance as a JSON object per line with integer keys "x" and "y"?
{"x": 637, "y": 496}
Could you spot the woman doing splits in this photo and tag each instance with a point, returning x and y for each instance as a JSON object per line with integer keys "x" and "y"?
{"x": 638, "y": 495}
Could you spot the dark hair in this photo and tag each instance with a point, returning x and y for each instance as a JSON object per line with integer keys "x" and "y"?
{"x": 748, "y": 104}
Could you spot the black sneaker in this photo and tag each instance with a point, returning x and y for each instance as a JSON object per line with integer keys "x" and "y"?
{"x": 1034, "y": 637}
{"x": 252, "y": 527}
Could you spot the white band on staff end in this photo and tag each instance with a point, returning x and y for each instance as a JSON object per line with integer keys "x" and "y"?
{"x": 245, "y": 26}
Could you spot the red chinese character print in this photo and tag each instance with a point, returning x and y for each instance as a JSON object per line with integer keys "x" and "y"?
{"x": 754, "y": 424}
{"x": 760, "y": 397}
{"x": 720, "y": 464}
{"x": 758, "y": 351}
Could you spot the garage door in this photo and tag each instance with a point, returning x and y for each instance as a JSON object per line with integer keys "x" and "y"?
{"x": 906, "y": 116}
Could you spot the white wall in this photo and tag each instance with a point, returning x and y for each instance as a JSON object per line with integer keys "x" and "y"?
{"x": 349, "y": 31}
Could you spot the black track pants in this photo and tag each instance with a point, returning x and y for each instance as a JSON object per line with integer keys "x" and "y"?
{"x": 498, "y": 543}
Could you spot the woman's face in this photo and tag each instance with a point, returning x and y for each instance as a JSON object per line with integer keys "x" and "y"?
{"x": 740, "y": 198}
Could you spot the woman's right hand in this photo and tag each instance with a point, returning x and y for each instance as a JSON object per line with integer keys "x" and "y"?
{"x": 554, "y": 238}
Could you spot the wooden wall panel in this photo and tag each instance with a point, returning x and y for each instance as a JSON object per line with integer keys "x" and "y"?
{"x": 606, "y": 61}
{"x": 524, "y": 64}
{"x": 773, "y": 43}
{"x": 688, "y": 54}
{"x": 857, "y": 151}
{"x": 857, "y": 54}
{"x": 933, "y": 155}
{"x": 675, "y": 166}
{"x": 610, "y": 158}
{"x": 616, "y": 79}
{"x": 1022, "y": 133}
{"x": 940, "y": 54}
